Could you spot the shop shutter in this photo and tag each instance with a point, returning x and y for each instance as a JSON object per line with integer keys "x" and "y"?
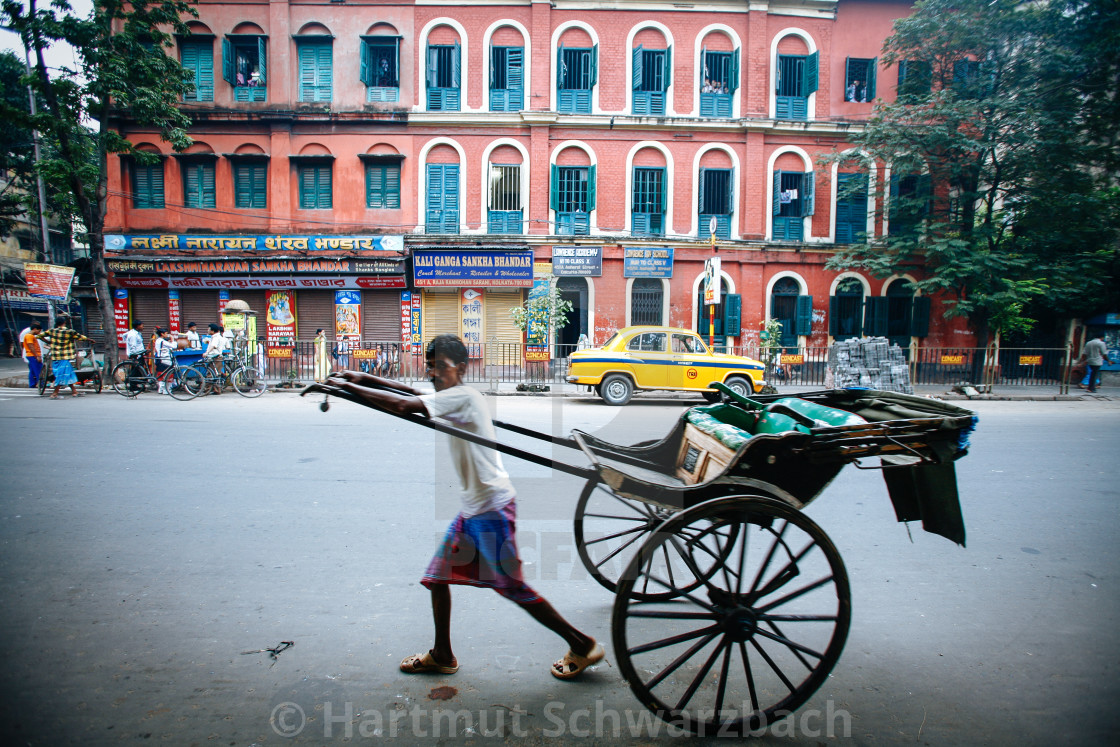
{"x": 381, "y": 316}
{"x": 95, "y": 330}
{"x": 198, "y": 306}
{"x": 440, "y": 315}
{"x": 499, "y": 327}
{"x": 150, "y": 307}
{"x": 314, "y": 309}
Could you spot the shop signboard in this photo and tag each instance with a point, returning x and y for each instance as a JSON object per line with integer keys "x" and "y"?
{"x": 647, "y": 263}
{"x": 51, "y": 282}
{"x": 536, "y": 339}
{"x": 348, "y": 315}
{"x": 583, "y": 261}
{"x": 416, "y": 322}
{"x": 120, "y": 314}
{"x": 173, "y": 312}
{"x": 471, "y": 320}
{"x": 245, "y": 266}
{"x": 271, "y": 243}
{"x": 712, "y": 282}
{"x": 247, "y": 282}
{"x": 280, "y": 319}
{"x": 18, "y": 299}
{"x": 406, "y": 320}
{"x": 223, "y": 300}
{"x": 458, "y": 268}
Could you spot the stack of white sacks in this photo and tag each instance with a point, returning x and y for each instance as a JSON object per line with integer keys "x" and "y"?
{"x": 870, "y": 362}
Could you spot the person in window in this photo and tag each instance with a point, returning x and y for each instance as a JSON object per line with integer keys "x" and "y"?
{"x": 384, "y": 74}
{"x": 707, "y": 87}
{"x": 861, "y": 92}
{"x": 850, "y": 93}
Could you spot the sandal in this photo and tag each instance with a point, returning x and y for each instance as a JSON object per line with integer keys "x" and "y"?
{"x": 573, "y": 664}
{"x": 55, "y": 396}
{"x": 425, "y": 663}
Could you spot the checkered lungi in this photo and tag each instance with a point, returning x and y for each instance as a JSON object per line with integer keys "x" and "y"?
{"x": 482, "y": 551}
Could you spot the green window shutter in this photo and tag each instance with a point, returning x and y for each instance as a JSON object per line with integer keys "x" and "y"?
{"x": 375, "y": 179}
{"x": 636, "y": 74}
{"x": 703, "y": 67}
{"x": 141, "y": 186}
{"x": 875, "y": 316}
{"x": 803, "y": 324}
{"x": 397, "y": 61}
{"x": 192, "y": 190}
{"x": 560, "y": 68}
{"x": 810, "y": 71}
{"x": 730, "y": 207}
{"x": 554, "y": 188}
{"x": 393, "y": 186}
{"x": 919, "y": 317}
{"x": 435, "y": 194}
{"x": 925, "y": 190}
{"x": 515, "y": 67}
{"x": 188, "y": 57}
{"x": 733, "y": 75}
{"x": 157, "y": 185}
{"x": 227, "y": 62}
{"x": 306, "y": 188}
{"x": 700, "y": 204}
{"x": 732, "y": 314}
{"x": 365, "y": 65}
{"x": 872, "y": 76}
{"x": 250, "y": 181}
{"x": 208, "y": 190}
{"x": 833, "y": 316}
{"x": 808, "y": 198}
{"x": 667, "y": 78}
{"x": 456, "y": 66}
{"x": 777, "y": 201}
{"x": 323, "y": 201}
{"x": 306, "y": 60}
{"x": 590, "y": 188}
{"x": 262, "y": 57}
{"x": 430, "y": 73}
{"x": 594, "y": 63}
{"x": 206, "y": 72}
{"x": 325, "y": 54}
{"x": 664, "y": 191}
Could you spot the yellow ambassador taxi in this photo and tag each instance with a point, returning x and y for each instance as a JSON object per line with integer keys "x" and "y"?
{"x": 660, "y": 358}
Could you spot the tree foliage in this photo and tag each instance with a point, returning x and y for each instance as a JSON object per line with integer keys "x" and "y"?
{"x": 542, "y": 311}
{"x": 16, "y": 145}
{"x": 124, "y": 77}
{"x": 1006, "y": 116}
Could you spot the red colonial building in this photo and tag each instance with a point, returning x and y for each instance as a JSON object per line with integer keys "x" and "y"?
{"x": 436, "y": 157}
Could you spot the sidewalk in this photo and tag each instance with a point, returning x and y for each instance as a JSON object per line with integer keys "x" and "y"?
{"x": 13, "y": 374}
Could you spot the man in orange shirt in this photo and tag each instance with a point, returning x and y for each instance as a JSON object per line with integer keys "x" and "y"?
{"x": 32, "y": 354}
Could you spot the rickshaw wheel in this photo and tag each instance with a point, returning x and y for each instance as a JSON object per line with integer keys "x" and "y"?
{"x": 45, "y": 378}
{"x": 609, "y": 529}
{"x": 95, "y": 382}
{"x": 749, "y": 644}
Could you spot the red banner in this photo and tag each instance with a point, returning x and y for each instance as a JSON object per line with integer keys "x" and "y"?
{"x": 173, "y": 312}
{"x": 281, "y": 319}
{"x": 120, "y": 313}
{"x": 48, "y": 281}
{"x": 406, "y": 320}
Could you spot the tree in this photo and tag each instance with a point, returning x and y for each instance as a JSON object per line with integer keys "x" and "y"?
{"x": 124, "y": 75}
{"x": 543, "y": 310}
{"x": 1003, "y": 188}
{"x": 15, "y": 143}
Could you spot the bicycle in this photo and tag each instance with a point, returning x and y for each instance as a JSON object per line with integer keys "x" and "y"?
{"x": 208, "y": 375}
{"x": 132, "y": 376}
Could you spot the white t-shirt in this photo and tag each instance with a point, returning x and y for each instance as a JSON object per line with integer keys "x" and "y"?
{"x": 485, "y": 483}
{"x": 192, "y": 340}
{"x": 133, "y": 342}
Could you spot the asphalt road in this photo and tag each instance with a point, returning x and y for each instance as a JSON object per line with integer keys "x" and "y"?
{"x": 146, "y": 545}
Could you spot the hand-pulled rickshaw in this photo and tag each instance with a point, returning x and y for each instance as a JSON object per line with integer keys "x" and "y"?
{"x": 731, "y": 605}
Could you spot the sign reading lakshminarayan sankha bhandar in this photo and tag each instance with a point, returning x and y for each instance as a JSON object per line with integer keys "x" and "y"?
{"x": 51, "y": 282}
{"x": 157, "y": 242}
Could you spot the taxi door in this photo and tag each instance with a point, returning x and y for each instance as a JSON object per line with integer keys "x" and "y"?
{"x": 689, "y": 358}
{"x": 651, "y": 359}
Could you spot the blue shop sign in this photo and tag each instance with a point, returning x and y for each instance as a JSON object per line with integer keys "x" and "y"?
{"x": 457, "y": 268}
{"x": 161, "y": 242}
{"x": 585, "y": 261}
{"x": 648, "y": 263}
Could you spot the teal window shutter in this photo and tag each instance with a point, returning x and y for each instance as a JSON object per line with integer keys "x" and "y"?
{"x": 667, "y": 78}
{"x": 208, "y": 190}
{"x": 227, "y": 62}
{"x": 383, "y": 185}
{"x": 700, "y": 198}
{"x": 456, "y": 67}
{"x": 326, "y": 70}
{"x": 803, "y": 324}
{"x": 315, "y": 187}
{"x": 315, "y": 71}
{"x": 560, "y": 65}
{"x": 262, "y": 58}
{"x": 324, "y": 196}
{"x": 250, "y": 185}
{"x": 810, "y": 72}
{"x": 590, "y": 188}
{"x": 733, "y": 76}
{"x": 307, "y": 76}
{"x": 919, "y": 317}
{"x": 872, "y": 75}
{"x": 875, "y": 316}
{"x": 777, "y": 197}
{"x": 147, "y": 186}
{"x": 515, "y": 77}
{"x": 636, "y": 75}
{"x": 365, "y": 65}
{"x": 808, "y": 187}
{"x": 192, "y": 185}
{"x": 554, "y": 188}
{"x": 732, "y": 314}
{"x": 594, "y": 62}
{"x": 833, "y": 316}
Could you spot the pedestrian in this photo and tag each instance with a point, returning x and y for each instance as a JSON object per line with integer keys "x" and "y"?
{"x": 134, "y": 340}
{"x": 479, "y": 548}
{"x": 162, "y": 354}
{"x": 322, "y": 359}
{"x": 1095, "y": 353}
{"x": 63, "y": 351}
{"x": 193, "y": 341}
{"x": 32, "y": 353}
{"x": 215, "y": 350}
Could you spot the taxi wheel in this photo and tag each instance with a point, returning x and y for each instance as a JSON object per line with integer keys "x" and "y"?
{"x": 616, "y": 390}
{"x": 740, "y": 386}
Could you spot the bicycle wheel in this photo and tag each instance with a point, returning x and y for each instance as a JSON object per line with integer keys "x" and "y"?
{"x": 247, "y": 383}
{"x": 45, "y": 378}
{"x": 127, "y": 378}
{"x": 183, "y": 383}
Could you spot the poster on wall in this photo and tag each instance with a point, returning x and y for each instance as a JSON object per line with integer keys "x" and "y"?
{"x": 120, "y": 313}
{"x": 173, "y": 313}
{"x": 416, "y": 322}
{"x": 647, "y": 263}
{"x": 51, "y": 282}
{"x": 406, "y": 320}
{"x": 348, "y": 315}
{"x": 536, "y": 335}
{"x": 223, "y": 300}
{"x": 471, "y": 324}
{"x": 281, "y": 319}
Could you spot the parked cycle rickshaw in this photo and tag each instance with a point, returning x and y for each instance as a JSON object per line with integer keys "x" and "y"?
{"x": 731, "y": 605}
{"x": 87, "y": 367}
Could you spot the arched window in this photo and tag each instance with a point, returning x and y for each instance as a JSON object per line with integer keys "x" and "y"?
{"x": 792, "y": 309}
{"x": 899, "y": 312}
{"x": 727, "y": 314}
{"x": 647, "y": 301}
{"x": 845, "y": 310}
{"x": 574, "y": 290}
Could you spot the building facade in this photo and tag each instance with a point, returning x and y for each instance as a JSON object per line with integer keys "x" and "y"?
{"x": 430, "y": 159}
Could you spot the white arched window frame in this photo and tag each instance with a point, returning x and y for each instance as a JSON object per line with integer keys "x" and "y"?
{"x": 807, "y": 165}
{"x": 422, "y": 63}
{"x": 664, "y": 297}
{"x": 697, "y": 66}
{"x": 872, "y": 190}
{"x": 527, "y": 69}
{"x": 524, "y": 177}
{"x": 422, "y": 184}
{"x": 695, "y": 229}
{"x": 668, "y": 184}
{"x": 593, "y": 214}
{"x": 811, "y": 99}
{"x": 887, "y": 173}
{"x": 669, "y": 110}
{"x": 554, "y": 54}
